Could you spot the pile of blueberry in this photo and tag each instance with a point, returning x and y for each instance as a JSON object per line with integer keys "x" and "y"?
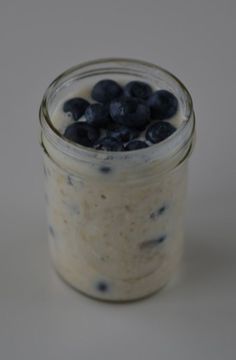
{"x": 119, "y": 115}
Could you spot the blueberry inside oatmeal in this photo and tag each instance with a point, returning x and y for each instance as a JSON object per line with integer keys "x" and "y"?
{"x": 150, "y": 244}
{"x": 102, "y": 286}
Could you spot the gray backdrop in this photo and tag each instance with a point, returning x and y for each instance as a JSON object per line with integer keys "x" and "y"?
{"x": 195, "y": 317}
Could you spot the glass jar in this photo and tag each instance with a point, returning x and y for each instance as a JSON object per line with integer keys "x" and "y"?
{"x": 115, "y": 218}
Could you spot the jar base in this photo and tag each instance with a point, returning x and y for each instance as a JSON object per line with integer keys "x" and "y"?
{"x": 112, "y": 298}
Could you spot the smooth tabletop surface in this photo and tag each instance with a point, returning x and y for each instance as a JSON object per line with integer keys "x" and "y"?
{"x": 194, "y": 317}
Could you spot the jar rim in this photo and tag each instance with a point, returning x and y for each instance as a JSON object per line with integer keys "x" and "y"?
{"x": 186, "y": 129}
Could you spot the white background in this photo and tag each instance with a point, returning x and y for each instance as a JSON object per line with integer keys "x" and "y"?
{"x": 195, "y": 317}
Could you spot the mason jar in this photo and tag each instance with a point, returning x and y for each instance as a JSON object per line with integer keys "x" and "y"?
{"x": 115, "y": 219}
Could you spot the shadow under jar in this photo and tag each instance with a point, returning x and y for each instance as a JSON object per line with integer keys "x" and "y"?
{"x": 115, "y": 218}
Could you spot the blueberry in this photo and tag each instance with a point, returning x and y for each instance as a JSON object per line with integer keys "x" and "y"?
{"x": 150, "y": 244}
{"x": 155, "y": 214}
{"x": 109, "y": 144}
{"x": 130, "y": 112}
{"x": 105, "y": 169}
{"x": 51, "y": 231}
{"x": 76, "y": 107}
{"x": 122, "y": 133}
{"x": 82, "y": 133}
{"x": 162, "y": 209}
{"x": 163, "y": 105}
{"x": 102, "y": 286}
{"x": 138, "y": 89}
{"x": 97, "y": 115}
{"x": 161, "y": 239}
{"x": 158, "y": 131}
{"x": 136, "y": 144}
{"x": 106, "y": 90}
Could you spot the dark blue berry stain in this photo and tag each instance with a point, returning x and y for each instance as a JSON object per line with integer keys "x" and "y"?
{"x": 105, "y": 169}
{"x": 102, "y": 286}
{"x": 150, "y": 244}
{"x": 162, "y": 210}
{"x": 51, "y": 231}
{"x": 69, "y": 181}
{"x": 155, "y": 214}
{"x": 45, "y": 170}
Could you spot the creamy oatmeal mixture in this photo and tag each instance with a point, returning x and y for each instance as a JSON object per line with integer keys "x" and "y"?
{"x": 114, "y": 236}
